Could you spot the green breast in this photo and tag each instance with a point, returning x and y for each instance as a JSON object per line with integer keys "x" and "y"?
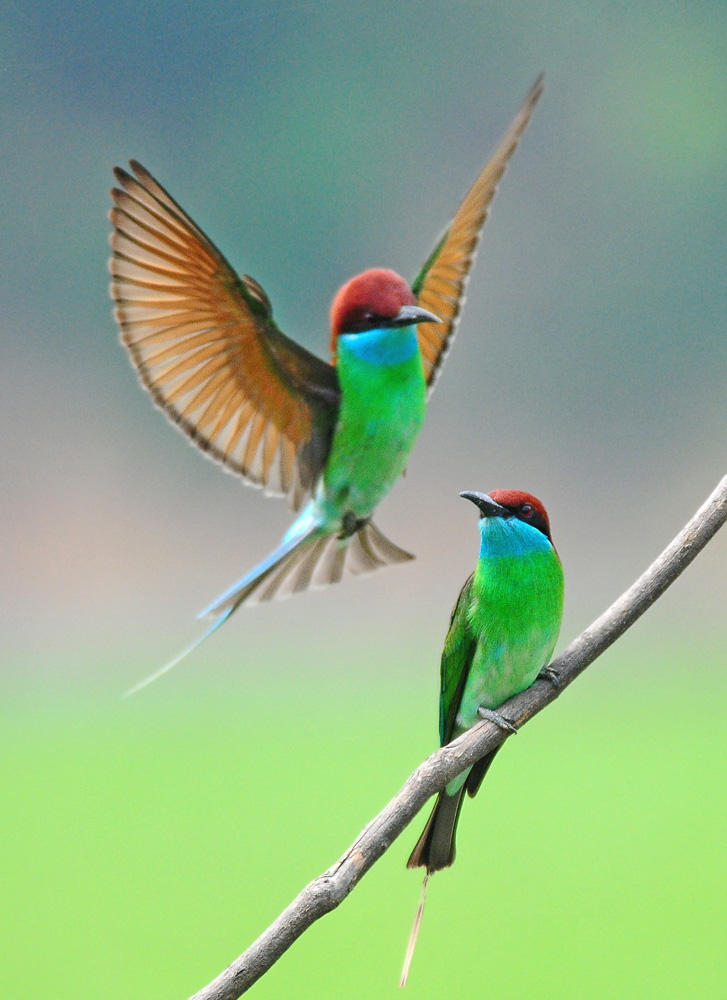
{"x": 515, "y": 613}
{"x": 383, "y": 401}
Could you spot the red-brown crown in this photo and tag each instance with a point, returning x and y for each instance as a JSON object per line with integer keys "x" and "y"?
{"x": 514, "y": 499}
{"x": 378, "y": 293}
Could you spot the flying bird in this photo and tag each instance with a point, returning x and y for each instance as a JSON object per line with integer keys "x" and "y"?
{"x": 205, "y": 345}
{"x": 502, "y": 634}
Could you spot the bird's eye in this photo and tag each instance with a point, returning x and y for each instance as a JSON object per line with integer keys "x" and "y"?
{"x": 526, "y": 510}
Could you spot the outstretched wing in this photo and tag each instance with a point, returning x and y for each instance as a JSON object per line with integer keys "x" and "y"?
{"x": 439, "y": 286}
{"x": 206, "y": 347}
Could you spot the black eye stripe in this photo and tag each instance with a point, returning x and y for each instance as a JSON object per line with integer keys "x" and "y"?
{"x": 361, "y": 322}
{"x": 529, "y": 515}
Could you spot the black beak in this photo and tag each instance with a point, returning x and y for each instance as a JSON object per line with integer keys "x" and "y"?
{"x": 409, "y": 315}
{"x": 488, "y": 506}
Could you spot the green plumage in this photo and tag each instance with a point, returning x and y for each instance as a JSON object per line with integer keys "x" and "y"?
{"x": 502, "y": 633}
{"x": 383, "y": 403}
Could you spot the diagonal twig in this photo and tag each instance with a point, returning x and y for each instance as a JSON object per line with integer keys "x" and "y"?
{"x": 325, "y": 893}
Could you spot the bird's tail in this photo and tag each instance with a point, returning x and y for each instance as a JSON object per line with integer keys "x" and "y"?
{"x": 414, "y": 933}
{"x": 308, "y": 556}
{"x": 435, "y": 848}
{"x": 313, "y": 559}
{"x": 292, "y": 554}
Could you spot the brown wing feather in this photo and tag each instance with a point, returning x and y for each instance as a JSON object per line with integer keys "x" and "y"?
{"x": 440, "y": 285}
{"x": 206, "y": 347}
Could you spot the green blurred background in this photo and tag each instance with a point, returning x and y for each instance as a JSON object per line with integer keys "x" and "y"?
{"x": 146, "y": 842}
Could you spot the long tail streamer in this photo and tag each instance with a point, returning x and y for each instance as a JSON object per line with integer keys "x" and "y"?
{"x": 177, "y": 659}
{"x": 414, "y": 933}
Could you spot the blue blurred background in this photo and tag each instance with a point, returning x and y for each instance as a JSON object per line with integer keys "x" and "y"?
{"x": 146, "y": 842}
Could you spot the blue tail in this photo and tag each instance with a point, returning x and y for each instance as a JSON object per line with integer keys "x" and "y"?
{"x": 274, "y": 570}
{"x": 177, "y": 659}
{"x": 310, "y": 555}
{"x": 302, "y": 534}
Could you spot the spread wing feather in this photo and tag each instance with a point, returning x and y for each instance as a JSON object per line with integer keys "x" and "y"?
{"x": 439, "y": 286}
{"x": 205, "y": 345}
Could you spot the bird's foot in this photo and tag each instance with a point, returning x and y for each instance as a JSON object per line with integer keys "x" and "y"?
{"x": 548, "y": 674}
{"x": 352, "y": 524}
{"x": 499, "y": 720}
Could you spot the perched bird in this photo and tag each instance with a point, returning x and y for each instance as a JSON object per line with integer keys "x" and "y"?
{"x": 501, "y": 636}
{"x": 205, "y": 345}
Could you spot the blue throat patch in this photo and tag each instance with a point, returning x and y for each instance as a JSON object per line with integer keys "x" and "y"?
{"x": 387, "y": 346}
{"x": 510, "y": 537}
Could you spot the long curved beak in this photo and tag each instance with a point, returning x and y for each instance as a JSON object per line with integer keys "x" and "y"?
{"x": 408, "y": 315}
{"x": 488, "y": 507}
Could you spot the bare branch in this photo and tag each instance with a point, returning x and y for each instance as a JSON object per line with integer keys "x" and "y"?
{"x": 325, "y": 893}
